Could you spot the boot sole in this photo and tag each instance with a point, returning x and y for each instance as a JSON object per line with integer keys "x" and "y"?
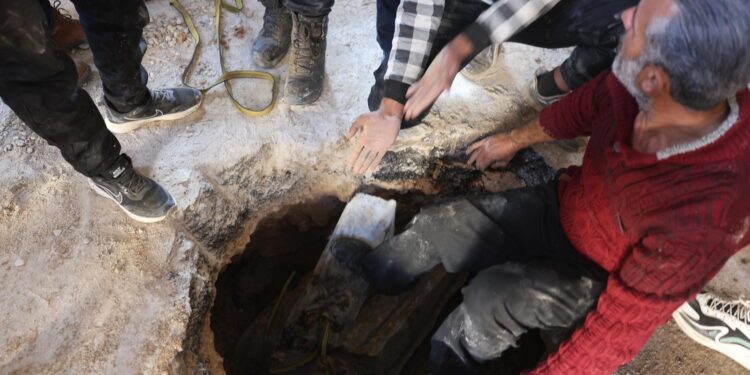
{"x": 142, "y": 219}
{"x": 309, "y": 100}
{"x": 738, "y": 355}
{"x": 129, "y": 126}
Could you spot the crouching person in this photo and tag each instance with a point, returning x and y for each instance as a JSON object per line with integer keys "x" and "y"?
{"x": 615, "y": 245}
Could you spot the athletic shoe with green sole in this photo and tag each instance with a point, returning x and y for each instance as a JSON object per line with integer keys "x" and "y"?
{"x": 718, "y": 324}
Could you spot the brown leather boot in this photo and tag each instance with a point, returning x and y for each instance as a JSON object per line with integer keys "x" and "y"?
{"x": 67, "y": 32}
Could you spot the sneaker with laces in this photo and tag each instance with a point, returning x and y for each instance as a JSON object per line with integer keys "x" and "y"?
{"x": 140, "y": 197}
{"x": 718, "y": 324}
{"x": 162, "y": 105}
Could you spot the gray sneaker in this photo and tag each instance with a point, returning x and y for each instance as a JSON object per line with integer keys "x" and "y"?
{"x": 537, "y": 100}
{"x": 162, "y": 105}
{"x": 718, "y": 324}
{"x": 140, "y": 197}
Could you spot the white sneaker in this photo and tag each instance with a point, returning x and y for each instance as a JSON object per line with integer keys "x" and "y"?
{"x": 721, "y": 325}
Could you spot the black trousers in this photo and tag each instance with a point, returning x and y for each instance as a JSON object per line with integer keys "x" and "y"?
{"x": 39, "y": 82}
{"x": 589, "y": 25}
{"x": 313, "y": 8}
{"x": 528, "y": 275}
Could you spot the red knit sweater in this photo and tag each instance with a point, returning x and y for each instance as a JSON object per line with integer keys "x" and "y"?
{"x": 661, "y": 228}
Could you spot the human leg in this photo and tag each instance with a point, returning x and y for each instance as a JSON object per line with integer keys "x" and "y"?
{"x": 274, "y": 37}
{"x": 304, "y": 82}
{"x": 114, "y": 30}
{"x": 505, "y": 301}
{"x": 467, "y": 234}
{"x": 38, "y": 82}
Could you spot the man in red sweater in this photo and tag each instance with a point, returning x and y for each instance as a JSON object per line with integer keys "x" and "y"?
{"x": 614, "y": 246}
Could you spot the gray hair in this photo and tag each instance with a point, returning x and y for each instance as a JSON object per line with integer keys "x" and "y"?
{"x": 704, "y": 48}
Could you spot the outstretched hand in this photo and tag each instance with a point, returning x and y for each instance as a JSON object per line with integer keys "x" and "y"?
{"x": 376, "y": 132}
{"x": 438, "y": 77}
{"x": 494, "y": 151}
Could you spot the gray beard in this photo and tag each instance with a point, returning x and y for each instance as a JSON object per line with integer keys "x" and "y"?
{"x": 626, "y": 70}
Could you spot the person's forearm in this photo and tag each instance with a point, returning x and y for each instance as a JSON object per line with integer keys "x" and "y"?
{"x": 462, "y": 47}
{"x": 414, "y": 35}
{"x": 505, "y": 18}
{"x": 530, "y": 134}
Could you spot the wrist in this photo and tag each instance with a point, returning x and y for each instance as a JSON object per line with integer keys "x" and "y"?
{"x": 514, "y": 141}
{"x": 391, "y": 107}
{"x": 461, "y": 47}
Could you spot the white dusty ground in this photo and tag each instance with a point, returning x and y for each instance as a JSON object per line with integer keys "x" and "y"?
{"x": 85, "y": 290}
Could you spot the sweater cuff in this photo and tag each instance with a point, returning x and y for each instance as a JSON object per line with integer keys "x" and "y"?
{"x": 547, "y": 122}
{"x": 478, "y": 35}
{"x": 396, "y": 90}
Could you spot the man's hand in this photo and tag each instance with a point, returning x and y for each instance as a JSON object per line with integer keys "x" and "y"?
{"x": 438, "y": 77}
{"x": 494, "y": 151}
{"x": 377, "y": 132}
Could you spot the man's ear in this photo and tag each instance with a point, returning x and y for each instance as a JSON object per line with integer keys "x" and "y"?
{"x": 653, "y": 80}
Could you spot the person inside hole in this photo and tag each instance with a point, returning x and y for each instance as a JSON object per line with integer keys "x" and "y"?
{"x": 610, "y": 248}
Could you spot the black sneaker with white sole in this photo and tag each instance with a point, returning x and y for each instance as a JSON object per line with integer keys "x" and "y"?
{"x": 140, "y": 197}
{"x": 162, "y": 105}
{"x": 718, "y": 324}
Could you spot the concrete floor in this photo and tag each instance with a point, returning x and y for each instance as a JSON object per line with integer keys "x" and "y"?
{"x": 88, "y": 291}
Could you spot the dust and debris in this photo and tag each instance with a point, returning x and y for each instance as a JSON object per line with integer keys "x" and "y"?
{"x": 239, "y": 32}
{"x": 153, "y": 288}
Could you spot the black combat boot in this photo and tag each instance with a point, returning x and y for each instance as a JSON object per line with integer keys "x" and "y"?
{"x": 274, "y": 38}
{"x": 304, "y": 83}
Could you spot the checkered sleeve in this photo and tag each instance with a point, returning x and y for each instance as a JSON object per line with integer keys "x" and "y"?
{"x": 417, "y": 23}
{"x": 505, "y": 18}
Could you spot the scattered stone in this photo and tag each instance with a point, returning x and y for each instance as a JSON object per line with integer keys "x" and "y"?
{"x": 29, "y": 150}
{"x": 57, "y": 232}
{"x": 19, "y": 142}
{"x": 8, "y": 148}
{"x": 86, "y": 241}
{"x": 181, "y": 37}
{"x": 19, "y": 262}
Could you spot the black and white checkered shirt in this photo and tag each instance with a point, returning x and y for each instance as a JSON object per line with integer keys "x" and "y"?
{"x": 417, "y": 24}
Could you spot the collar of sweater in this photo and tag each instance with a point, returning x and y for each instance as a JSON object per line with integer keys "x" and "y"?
{"x": 727, "y": 142}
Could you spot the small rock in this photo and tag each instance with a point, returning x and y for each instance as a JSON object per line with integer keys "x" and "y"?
{"x": 29, "y": 150}
{"x": 19, "y": 142}
{"x": 19, "y": 262}
{"x": 8, "y": 148}
{"x": 57, "y": 232}
{"x": 86, "y": 241}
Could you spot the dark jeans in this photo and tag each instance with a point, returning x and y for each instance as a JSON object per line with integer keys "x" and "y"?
{"x": 590, "y": 25}
{"x": 39, "y": 82}
{"x": 528, "y": 275}
{"x": 313, "y": 8}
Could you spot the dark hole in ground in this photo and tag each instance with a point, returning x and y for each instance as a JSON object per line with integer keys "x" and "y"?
{"x": 292, "y": 241}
